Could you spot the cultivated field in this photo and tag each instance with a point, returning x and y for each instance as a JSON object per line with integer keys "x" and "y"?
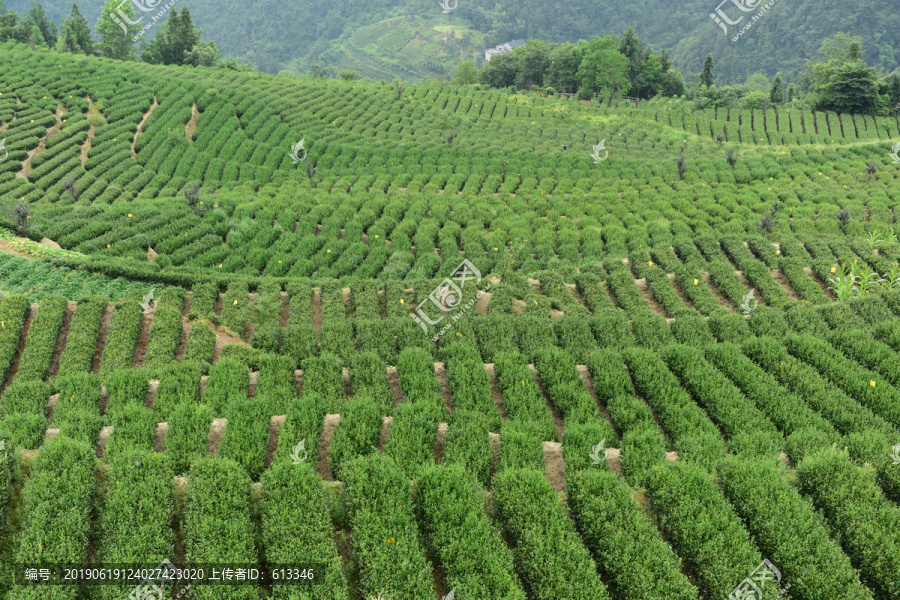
{"x": 450, "y": 353}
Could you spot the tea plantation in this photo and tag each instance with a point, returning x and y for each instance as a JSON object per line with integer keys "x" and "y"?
{"x": 451, "y": 346}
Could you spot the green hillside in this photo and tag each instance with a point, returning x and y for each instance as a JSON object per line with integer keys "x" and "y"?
{"x": 457, "y": 344}
{"x": 301, "y": 34}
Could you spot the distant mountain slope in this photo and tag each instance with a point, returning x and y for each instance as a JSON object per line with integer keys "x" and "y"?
{"x": 340, "y": 34}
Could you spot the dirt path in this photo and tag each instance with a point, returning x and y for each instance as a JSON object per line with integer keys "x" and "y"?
{"x": 825, "y": 289}
{"x": 385, "y": 432}
{"x": 216, "y": 431}
{"x": 554, "y": 467}
{"x": 86, "y": 146}
{"x": 185, "y": 328}
{"x": 557, "y": 418}
{"x": 223, "y": 338}
{"x": 143, "y": 339}
{"x": 588, "y": 382}
{"x": 284, "y": 318}
{"x": 159, "y": 438}
{"x": 439, "y": 442}
{"x": 275, "y": 424}
{"x": 441, "y": 373}
{"x": 51, "y": 131}
{"x": 317, "y": 310}
{"x": 101, "y": 339}
{"x": 680, "y": 293}
{"x": 61, "y": 340}
{"x": 648, "y": 298}
{"x": 324, "y": 468}
{"x": 718, "y": 294}
{"x": 496, "y": 394}
{"x": 394, "y": 380}
{"x": 613, "y": 460}
{"x": 140, "y": 127}
{"x": 779, "y": 277}
{"x": 14, "y": 368}
{"x": 191, "y": 125}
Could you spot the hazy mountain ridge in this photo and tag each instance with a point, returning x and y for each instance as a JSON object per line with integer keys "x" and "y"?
{"x": 297, "y": 35}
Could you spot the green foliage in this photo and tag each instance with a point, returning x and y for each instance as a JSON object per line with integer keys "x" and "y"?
{"x": 477, "y": 564}
{"x": 549, "y": 551}
{"x": 605, "y": 508}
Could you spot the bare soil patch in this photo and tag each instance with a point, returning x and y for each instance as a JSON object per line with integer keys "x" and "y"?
{"x": 50, "y": 243}
{"x": 285, "y": 310}
{"x": 554, "y": 467}
{"x": 14, "y": 368}
{"x": 101, "y": 339}
{"x": 140, "y": 350}
{"x": 275, "y": 424}
{"x": 825, "y": 289}
{"x": 61, "y": 340}
{"x": 783, "y": 282}
{"x": 324, "y": 468}
{"x": 216, "y": 431}
{"x": 159, "y": 438}
{"x": 613, "y": 456}
{"x": 140, "y": 127}
{"x": 718, "y": 294}
{"x": 317, "y": 310}
{"x": 557, "y": 418}
{"x": 496, "y": 394}
{"x": 439, "y": 442}
{"x": 394, "y": 380}
{"x": 441, "y": 373}
{"x": 648, "y": 298}
{"x": 191, "y": 126}
{"x": 588, "y": 382}
{"x": 385, "y": 432}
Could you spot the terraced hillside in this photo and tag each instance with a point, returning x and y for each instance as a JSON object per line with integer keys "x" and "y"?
{"x": 482, "y": 363}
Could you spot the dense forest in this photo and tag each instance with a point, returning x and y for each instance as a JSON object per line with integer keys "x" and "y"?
{"x": 300, "y": 34}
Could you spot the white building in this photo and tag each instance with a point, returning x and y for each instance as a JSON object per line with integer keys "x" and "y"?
{"x": 502, "y": 49}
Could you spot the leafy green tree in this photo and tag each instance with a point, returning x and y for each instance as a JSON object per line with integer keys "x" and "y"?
{"x": 174, "y": 43}
{"x": 706, "y": 77}
{"x": 562, "y": 73}
{"x": 499, "y": 72}
{"x": 758, "y": 82}
{"x": 76, "y": 34}
{"x": 604, "y": 68}
{"x": 348, "y": 75}
{"x": 777, "y": 94}
{"x": 115, "y": 32}
{"x": 532, "y": 61}
{"x": 466, "y": 73}
{"x": 44, "y": 24}
{"x": 853, "y": 88}
{"x": 204, "y": 54}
